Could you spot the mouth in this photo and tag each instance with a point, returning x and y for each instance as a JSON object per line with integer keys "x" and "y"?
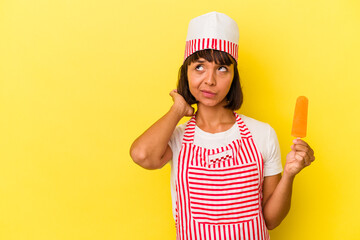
{"x": 208, "y": 94}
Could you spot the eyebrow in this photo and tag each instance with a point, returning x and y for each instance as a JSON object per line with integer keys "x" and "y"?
{"x": 200, "y": 61}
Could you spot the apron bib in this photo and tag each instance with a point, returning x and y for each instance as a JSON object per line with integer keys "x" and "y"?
{"x": 219, "y": 191}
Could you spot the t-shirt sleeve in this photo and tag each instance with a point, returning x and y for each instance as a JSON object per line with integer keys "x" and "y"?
{"x": 175, "y": 139}
{"x": 175, "y": 145}
{"x": 272, "y": 163}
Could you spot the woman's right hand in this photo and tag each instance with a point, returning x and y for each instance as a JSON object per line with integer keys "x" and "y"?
{"x": 180, "y": 104}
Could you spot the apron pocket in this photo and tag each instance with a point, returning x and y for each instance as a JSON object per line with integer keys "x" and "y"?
{"x": 224, "y": 195}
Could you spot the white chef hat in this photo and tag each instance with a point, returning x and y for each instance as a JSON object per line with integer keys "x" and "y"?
{"x": 212, "y": 31}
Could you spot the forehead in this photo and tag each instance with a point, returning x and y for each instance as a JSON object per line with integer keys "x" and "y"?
{"x": 204, "y": 61}
{"x": 209, "y": 55}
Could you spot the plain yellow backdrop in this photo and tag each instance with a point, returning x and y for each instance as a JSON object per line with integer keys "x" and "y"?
{"x": 80, "y": 80}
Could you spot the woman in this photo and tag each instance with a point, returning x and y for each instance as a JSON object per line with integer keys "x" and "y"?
{"x": 226, "y": 168}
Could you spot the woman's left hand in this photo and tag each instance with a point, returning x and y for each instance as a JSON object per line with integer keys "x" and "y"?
{"x": 300, "y": 156}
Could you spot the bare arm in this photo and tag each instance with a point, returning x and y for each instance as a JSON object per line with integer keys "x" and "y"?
{"x": 277, "y": 190}
{"x": 277, "y": 199}
{"x": 151, "y": 150}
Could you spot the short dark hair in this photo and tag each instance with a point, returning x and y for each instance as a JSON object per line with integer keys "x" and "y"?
{"x": 234, "y": 96}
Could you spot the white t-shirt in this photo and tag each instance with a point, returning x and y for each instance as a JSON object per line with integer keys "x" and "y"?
{"x": 263, "y": 134}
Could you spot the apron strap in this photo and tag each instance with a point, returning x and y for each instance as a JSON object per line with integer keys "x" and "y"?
{"x": 244, "y": 131}
{"x": 189, "y": 132}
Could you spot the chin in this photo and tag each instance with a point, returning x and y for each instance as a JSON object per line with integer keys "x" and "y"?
{"x": 209, "y": 103}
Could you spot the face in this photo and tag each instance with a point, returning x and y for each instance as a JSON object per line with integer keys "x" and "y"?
{"x": 209, "y": 82}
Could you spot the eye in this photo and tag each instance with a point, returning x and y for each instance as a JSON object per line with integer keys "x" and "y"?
{"x": 223, "y": 69}
{"x": 199, "y": 67}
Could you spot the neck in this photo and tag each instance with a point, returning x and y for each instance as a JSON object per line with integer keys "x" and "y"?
{"x": 214, "y": 119}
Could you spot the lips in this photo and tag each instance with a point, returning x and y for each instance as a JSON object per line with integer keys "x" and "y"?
{"x": 208, "y": 94}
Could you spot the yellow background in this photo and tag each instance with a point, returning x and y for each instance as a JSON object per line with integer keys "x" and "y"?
{"x": 80, "y": 80}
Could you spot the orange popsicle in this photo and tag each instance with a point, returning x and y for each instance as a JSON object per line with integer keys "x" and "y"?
{"x": 300, "y": 118}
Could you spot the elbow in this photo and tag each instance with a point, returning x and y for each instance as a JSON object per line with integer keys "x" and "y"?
{"x": 274, "y": 218}
{"x": 137, "y": 156}
{"x": 271, "y": 226}
{"x": 140, "y": 158}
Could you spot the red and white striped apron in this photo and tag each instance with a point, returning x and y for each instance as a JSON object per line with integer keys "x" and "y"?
{"x": 219, "y": 191}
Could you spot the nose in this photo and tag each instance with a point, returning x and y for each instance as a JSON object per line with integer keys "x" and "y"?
{"x": 210, "y": 78}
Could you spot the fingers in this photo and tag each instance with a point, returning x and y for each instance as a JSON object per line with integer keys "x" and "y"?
{"x": 301, "y": 145}
{"x": 303, "y": 152}
{"x": 172, "y": 93}
{"x": 303, "y": 158}
{"x": 299, "y": 141}
{"x": 302, "y": 148}
{"x": 190, "y": 111}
